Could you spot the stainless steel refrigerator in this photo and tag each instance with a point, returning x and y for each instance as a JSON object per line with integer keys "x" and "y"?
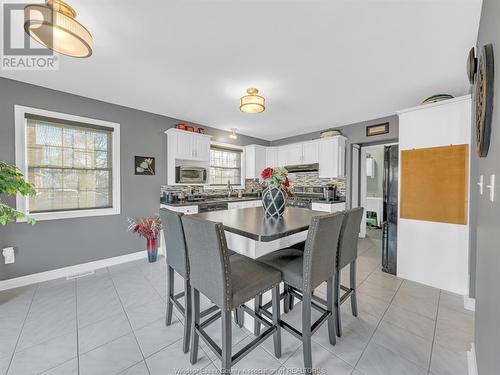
{"x": 390, "y": 214}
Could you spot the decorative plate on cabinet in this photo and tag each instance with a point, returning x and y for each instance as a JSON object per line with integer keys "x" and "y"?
{"x": 483, "y": 99}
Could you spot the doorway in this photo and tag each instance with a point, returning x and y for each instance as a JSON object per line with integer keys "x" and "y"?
{"x": 378, "y": 194}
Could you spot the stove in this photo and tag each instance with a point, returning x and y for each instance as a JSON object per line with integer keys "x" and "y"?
{"x": 304, "y": 195}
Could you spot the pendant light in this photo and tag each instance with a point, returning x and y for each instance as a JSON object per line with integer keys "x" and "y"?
{"x": 252, "y": 103}
{"x": 233, "y": 134}
{"x": 53, "y": 25}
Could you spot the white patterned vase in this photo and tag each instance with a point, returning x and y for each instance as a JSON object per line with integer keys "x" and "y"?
{"x": 274, "y": 201}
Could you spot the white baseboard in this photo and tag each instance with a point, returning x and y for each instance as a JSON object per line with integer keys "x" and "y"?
{"x": 471, "y": 360}
{"x": 469, "y": 303}
{"x": 70, "y": 271}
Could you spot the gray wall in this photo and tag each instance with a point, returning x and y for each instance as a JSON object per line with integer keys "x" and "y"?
{"x": 374, "y": 185}
{"x": 487, "y": 316}
{"x": 356, "y": 134}
{"x": 58, "y": 243}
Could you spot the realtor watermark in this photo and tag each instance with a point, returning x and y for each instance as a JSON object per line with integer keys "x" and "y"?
{"x": 19, "y": 50}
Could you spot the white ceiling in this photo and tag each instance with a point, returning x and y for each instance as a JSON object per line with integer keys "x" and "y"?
{"x": 318, "y": 63}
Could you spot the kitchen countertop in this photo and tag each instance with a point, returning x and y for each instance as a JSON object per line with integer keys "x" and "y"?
{"x": 213, "y": 200}
{"x": 253, "y": 224}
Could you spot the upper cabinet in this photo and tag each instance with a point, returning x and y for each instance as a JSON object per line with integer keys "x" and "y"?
{"x": 293, "y": 154}
{"x": 298, "y": 153}
{"x": 186, "y": 148}
{"x": 332, "y": 157}
{"x": 187, "y": 145}
{"x": 310, "y": 152}
{"x": 255, "y": 160}
{"x": 328, "y": 152}
{"x": 272, "y": 157}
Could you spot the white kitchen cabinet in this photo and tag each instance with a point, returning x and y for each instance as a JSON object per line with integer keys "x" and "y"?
{"x": 282, "y": 156}
{"x": 328, "y": 207}
{"x": 293, "y": 154}
{"x": 184, "y": 145}
{"x": 332, "y": 157}
{"x": 244, "y": 204}
{"x": 201, "y": 148}
{"x": 255, "y": 160}
{"x": 272, "y": 157}
{"x": 188, "y": 210}
{"x": 298, "y": 153}
{"x": 310, "y": 152}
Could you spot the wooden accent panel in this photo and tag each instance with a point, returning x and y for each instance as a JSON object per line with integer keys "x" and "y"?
{"x": 434, "y": 184}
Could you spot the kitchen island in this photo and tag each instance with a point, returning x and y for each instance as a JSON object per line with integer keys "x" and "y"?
{"x": 250, "y": 233}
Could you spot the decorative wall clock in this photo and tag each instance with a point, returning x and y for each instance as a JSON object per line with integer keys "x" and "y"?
{"x": 472, "y": 65}
{"x": 483, "y": 99}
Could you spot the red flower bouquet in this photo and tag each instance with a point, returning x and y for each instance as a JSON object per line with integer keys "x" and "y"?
{"x": 276, "y": 176}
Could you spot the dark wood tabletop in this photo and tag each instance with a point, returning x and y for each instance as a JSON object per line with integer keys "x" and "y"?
{"x": 251, "y": 222}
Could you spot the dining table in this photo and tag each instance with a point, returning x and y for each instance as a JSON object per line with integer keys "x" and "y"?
{"x": 251, "y": 233}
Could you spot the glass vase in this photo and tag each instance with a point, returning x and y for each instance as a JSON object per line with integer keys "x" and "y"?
{"x": 152, "y": 249}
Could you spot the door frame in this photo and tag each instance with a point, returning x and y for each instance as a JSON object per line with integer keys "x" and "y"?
{"x": 362, "y": 177}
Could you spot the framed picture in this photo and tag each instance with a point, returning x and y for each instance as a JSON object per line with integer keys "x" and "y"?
{"x": 145, "y": 165}
{"x": 377, "y": 129}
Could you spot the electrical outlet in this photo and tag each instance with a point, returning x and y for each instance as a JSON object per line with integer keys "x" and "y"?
{"x": 8, "y": 254}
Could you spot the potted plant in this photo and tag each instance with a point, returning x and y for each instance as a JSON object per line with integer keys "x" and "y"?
{"x": 275, "y": 193}
{"x": 149, "y": 228}
{"x": 12, "y": 183}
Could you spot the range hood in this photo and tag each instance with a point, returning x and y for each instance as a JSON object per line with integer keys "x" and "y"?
{"x": 302, "y": 168}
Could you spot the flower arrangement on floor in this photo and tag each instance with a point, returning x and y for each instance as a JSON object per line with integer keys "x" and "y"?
{"x": 149, "y": 228}
{"x": 274, "y": 195}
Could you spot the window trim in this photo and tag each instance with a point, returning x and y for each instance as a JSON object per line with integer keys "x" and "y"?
{"x": 21, "y": 151}
{"x": 242, "y": 169}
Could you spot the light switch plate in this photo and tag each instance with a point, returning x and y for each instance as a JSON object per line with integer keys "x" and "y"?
{"x": 491, "y": 187}
{"x": 8, "y": 254}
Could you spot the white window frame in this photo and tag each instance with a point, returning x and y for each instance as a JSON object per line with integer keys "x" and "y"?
{"x": 22, "y": 203}
{"x": 242, "y": 167}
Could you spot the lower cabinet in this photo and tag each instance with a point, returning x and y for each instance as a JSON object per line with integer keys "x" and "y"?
{"x": 245, "y": 204}
{"x": 328, "y": 207}
{"x": 188, "y": 210}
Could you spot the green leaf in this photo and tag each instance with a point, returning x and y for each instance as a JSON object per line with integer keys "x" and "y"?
{"x": 12, "y": 183}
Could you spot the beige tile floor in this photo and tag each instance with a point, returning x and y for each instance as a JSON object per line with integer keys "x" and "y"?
{"x": 113, "y": 323}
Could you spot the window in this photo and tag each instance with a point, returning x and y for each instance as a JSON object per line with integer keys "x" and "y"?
{"x": 225, "y": 165}
{"x": 72, "y": 161}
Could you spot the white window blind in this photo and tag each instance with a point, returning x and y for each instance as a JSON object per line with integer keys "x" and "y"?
{"x": 70, "y": 164}
{"x": 225, "y": 165}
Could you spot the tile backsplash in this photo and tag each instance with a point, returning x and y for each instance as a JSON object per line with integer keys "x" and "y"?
{"x": 296, "y": 179}
{"x": 313, "y": 179}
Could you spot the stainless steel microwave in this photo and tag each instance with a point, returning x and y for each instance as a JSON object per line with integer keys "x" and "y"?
{"x": 190, "y": 175}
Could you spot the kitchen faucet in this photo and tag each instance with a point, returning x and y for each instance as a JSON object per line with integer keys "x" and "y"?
{"x": 229, "y": 188}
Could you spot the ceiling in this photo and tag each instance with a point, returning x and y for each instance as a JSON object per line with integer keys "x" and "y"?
{"x": 318, "y": 63}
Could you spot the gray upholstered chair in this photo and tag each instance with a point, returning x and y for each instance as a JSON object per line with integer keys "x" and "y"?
{"x": 176, "y": 258}
{"x": 303, "y": 271}
{"x": 346, "y": 255}
{"x": 228, "y": 282}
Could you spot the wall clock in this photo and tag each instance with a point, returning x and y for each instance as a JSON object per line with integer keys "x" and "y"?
{"x": 483, "y": 98}
{"x": 472, "y": 65}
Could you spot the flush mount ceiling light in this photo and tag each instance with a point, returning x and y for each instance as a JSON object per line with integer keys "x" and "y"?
{"x": 53, "y": 24}
{"x": 233, "y": 134}
{"x": 252, "y": 103}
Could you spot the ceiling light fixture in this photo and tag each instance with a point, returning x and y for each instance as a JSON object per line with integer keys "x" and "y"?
{"x": 252, "y": 103}
{"x": 53, "y": 24}
{"x": 233, "y": 134}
